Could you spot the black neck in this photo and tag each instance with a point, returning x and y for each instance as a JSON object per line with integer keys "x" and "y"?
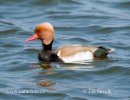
{"x": 47, "y": 47}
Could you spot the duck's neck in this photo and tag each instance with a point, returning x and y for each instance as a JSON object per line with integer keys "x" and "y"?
{"x": 47, "y": 47}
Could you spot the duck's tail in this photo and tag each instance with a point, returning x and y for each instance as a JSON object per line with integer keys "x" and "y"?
{"x": 102, "y": 52}
{"x": 111, "y": 49}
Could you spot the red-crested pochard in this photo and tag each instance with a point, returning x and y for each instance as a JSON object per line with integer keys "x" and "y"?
{"x": 67, "y": 53}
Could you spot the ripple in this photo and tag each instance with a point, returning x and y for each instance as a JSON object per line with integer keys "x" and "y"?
{"x": 55, "y": 95}
{"x": 123, "y": 5}
{"x": 6, "y": 96}
{"x": 5, "y": 22}
{"x": 52, "y": 2}
{"x": 112, "y": 29}
{"x": 9, "y": 33}
{"x": 18, "y": 67}
{"x": 45, "y": 2}
{"x": 10, "y": 46}
{"x": 114, "y": 70}
{"x": 76, "y": 39}
{"x": 32, "y": 50}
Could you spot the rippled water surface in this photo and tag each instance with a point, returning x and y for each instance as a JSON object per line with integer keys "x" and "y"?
{"x": 96, "y": 22}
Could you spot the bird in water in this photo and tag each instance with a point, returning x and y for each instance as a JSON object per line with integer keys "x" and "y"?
{"x": 66, "y": 53}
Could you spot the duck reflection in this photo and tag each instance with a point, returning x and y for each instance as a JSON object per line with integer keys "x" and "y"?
{"x": 47, "y": 69}
{"x": 52, "y": 68}
{"x": 46, "y": 65}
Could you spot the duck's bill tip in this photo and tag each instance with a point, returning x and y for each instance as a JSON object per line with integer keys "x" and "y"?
{"x": 27, "y": 40}
{"x": 33, "y": 37}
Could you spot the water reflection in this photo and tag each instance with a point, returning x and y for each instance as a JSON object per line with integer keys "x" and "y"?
{"x": 86, "y": 65}
{"x": 45, "y": 83}
{"x": 53, "y": 68}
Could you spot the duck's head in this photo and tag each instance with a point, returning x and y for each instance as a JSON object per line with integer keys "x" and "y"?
{"x": 44, "y": 32}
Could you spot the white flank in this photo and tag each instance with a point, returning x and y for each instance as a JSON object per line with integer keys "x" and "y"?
{"x": 80, "y": 56}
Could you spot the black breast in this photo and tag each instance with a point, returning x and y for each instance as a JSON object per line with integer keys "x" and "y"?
{"x": 48, "y": 56}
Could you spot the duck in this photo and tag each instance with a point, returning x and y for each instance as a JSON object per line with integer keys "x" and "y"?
{"x": 66, "y": 53}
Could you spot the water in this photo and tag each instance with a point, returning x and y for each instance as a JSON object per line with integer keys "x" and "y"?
{"x": 96, "y": 22}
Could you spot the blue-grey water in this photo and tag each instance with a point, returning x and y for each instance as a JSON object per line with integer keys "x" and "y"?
{"x": 96, "y": 22}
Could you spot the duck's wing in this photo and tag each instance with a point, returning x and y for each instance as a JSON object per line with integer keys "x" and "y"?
{"x": 71, "y": 50}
